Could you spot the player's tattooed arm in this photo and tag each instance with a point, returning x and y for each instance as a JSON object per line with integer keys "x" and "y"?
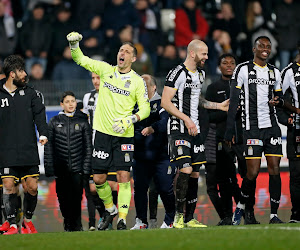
{"x": 214, "y": 105}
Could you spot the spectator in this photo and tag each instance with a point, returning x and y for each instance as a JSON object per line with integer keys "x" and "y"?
{"x": 189, "y": 24}
{"x": 125, "y": 13}
{"x": 143, "y": 64}
{"x": 67, "y": 74}
{"x": 62, "y": 26}
{"x": 93, "y": 37}
{"x": 288, "y": 21}
{"x": 8, "y": 33}
{"x": 35, "y": 38}
{"x": 168, "y": 60}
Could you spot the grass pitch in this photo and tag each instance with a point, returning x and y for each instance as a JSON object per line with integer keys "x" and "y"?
{"x": 283, "y": 236}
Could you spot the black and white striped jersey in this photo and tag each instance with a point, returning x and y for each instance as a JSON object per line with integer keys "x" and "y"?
{"x": 89, "y": 104}
{"x": 188, "y": 85}
{"x": 252, "y": 87}
{"x": 291, "y": 81}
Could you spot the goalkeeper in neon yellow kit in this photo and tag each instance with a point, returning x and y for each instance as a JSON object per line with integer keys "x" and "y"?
{"x": 120, "y": 89}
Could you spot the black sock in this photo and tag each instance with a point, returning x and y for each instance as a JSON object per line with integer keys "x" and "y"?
{"x": 248, "y": 192}
{"x": 10, "y": 204}
{"x": 191, "y": 199}
{"x": 115, "y": 197}
{"x": 18, "y": 208}
{"x": 181, "y": 190}
{"x": 98, "y": 204}
{"x": 30, "y": 202}
{"x": 275, "y": 192}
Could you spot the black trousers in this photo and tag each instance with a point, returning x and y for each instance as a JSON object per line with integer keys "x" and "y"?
{"x": 294, "y": 165}
{"x": 69, "y": 189}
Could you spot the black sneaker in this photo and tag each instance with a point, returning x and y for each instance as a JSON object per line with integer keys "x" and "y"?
{"x": 275, "y": 220}
{"x": 250, "y": 218}
{"x": 107, "y": 220}
{"x": 121, "y": 225}
{"x": 227, "y": 221}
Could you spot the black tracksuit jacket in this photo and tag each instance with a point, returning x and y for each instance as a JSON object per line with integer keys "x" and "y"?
{"x": 18, "y": 116}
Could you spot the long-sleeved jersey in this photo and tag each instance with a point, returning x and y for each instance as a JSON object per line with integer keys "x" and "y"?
{"x": 118, "y": 94}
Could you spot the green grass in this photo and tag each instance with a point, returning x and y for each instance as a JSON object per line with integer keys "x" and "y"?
{"x": 284, "y": 236}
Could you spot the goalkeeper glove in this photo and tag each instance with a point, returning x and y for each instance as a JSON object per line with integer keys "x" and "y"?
{"x": 74, "y": 38}
{"x": 122, "y": 124}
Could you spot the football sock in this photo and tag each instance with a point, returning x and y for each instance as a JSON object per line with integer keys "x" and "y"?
{"x": 191, "y": 199}
{"x": 10, "y": 204}
{"x": 181, "y": 190}
{"x": 275, "y": 192}
{"x": 30, "y": 202}
{"x": 124, "y": 197}
{"x": 247, "y": 190}
{"x": 19, "y": 214}
{"x": 104, "y": 192}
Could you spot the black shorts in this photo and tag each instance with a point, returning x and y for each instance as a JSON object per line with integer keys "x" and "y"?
{"x": 267, "y": 140}
{"x": 19, "y": 173}
{"x": 297, "y": 142}
{"x": 112, "y": 153}
{"x": 186, "y": 151}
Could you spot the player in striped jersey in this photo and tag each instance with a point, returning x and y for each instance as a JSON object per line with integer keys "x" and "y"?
{"x": 181, "y": 99}
{"x": 256, "y": 86}
{"x": 291, "y": 87}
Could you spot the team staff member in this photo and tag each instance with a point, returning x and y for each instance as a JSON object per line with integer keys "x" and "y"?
{"x": 291, "y": 85}
{"x": 20, "y": 110}
{"x": 257, "y": 81}
{"x": 225, "y": 171}
{"x": 68, "y": 158}
{"x": 151, "y": 160}
{"x": 122, "y": 88}
{"x": 181, "y": 98}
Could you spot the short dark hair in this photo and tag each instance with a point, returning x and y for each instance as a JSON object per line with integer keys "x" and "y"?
{"x": 261, "y": 37}
{"x": 131, "y": 45}
{"x": 224, "y": 56}
{"x": 65, "y": 94}
{"x": 13, "y": 63}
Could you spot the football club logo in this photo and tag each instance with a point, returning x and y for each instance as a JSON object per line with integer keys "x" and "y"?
{"x": 180, "y": 150}
{"x": 127, "y": 157}
{"x": 271, "y": 73}
{"x": 77, "y": 127}
{"x": 201, "y": 78}
{"x": 250, "y": 150}
{"x": 127, "y": 84}
{"x": 21, "y": 92}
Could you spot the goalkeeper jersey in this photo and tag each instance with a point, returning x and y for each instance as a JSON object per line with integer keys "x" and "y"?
{"x": 118, "y": 94}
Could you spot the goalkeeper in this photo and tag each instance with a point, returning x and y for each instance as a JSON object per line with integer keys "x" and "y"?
{"x": 120, "y": 89}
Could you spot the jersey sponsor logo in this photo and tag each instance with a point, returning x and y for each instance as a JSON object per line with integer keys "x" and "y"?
{"x": 127, "y": 147}
{"x": 254, "y": 142}
{"x": 91, "y": 107}
{"x": 261, "y": 81}
{"x": 192, "y": 85}
{"x": 114, "y": 89}
{"x": 182, "y": 143}
{"x": 100, "y": 154}
{"x": 201, "y": 148}
{"x": 173, "y": 74}
{"x": 275, "y": 141}
{"x": 221, "y": 92}
{"x": 4, "y": 102}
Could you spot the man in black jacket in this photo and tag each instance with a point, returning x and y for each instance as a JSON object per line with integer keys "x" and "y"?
{"x": 224, "y": 172}
{"x": 20, "y": 110}
{"x": 68, "y": 156}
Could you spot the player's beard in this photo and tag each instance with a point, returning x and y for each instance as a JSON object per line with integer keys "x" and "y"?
{"x": 20, "y": 82}
{"x": 199, "y": 62}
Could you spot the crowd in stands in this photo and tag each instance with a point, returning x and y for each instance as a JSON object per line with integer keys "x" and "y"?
{"x": 36, "y": 29}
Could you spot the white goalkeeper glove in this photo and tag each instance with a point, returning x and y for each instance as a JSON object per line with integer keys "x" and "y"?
{"x": 122, "y": 124}
{"x": 74, "y": 38}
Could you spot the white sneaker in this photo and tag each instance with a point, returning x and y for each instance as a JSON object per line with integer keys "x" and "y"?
{"x": 92, "y": 228}
{"x": 139, "y": 225}
{"x": 164, "y": 225}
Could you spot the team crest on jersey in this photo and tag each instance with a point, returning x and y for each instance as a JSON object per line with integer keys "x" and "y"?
{"x": 21, "y": 92}
{"x": 127, "y": 84}
{"x": 182, "y": 143}
{"x": 271, "y": 73}
{"x": 77, "y": 127}
{"x": 154, "y": 108}
{"x": 254, "y": 142}
{"x": 127, "y": 147}
{"x": 201, "y": 78}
